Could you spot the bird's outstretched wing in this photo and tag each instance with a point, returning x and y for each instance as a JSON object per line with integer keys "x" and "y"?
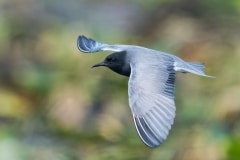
{"x": 151, "y": 99}
{"x": 89, "y": 45}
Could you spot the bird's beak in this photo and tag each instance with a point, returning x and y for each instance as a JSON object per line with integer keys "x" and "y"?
{"x": 99, "y": 64}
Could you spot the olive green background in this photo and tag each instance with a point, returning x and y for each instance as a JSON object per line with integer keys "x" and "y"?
{"x": 53, "y": 106}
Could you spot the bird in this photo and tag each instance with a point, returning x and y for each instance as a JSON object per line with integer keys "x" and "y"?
{"x": 152, "y": 76}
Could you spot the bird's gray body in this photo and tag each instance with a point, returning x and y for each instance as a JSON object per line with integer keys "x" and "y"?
{"x": 150, "y": 87}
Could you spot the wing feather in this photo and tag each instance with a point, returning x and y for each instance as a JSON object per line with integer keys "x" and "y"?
{"x": 144, "y": 130}
{"x": 157, "y": 122}
{"x": 88, "y": 45}
{"x": 154, "y": 124}
{"x": 151, "y": 99}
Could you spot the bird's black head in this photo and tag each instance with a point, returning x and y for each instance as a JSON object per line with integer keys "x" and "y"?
{"x": 116, "y": 62}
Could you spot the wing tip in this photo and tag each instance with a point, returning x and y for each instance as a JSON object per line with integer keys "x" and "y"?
{"x": 80, "y": 42}
{"x": 146, "y": 135}
{"x": 86, "y": 45}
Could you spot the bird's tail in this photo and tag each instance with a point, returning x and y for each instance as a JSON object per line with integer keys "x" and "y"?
{"x": 191, "y": 67}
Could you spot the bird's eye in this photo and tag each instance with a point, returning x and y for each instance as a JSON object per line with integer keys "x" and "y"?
{"x": 111, "y": 59}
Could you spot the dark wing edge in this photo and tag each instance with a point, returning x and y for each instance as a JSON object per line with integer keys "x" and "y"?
{"x": 153, "y": 127}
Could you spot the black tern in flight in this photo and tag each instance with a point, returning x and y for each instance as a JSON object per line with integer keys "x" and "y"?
{"x": 150, "y": 86}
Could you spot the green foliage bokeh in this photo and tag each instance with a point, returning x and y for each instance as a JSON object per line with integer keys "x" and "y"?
{"x": 53, "y": 106}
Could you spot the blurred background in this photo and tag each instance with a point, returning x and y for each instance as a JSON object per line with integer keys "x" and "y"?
{"x": 53, "y": 106}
